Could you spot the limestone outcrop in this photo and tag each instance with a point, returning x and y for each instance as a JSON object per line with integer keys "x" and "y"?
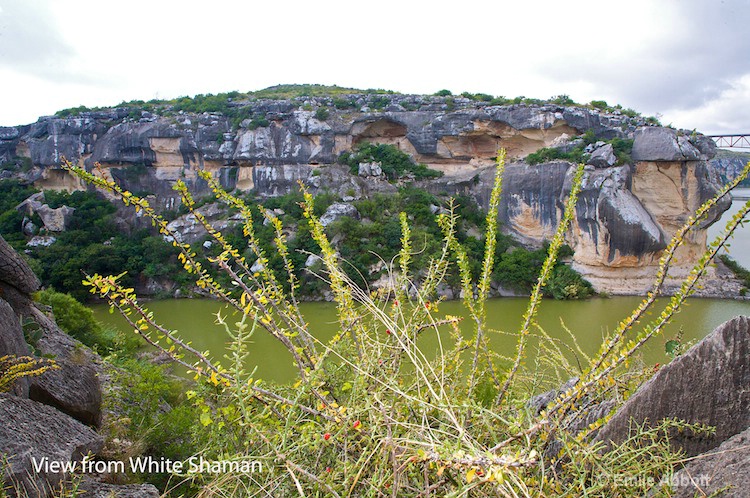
{"x": 91, "y": 488}
{"x": 706, "y": 385}
{"x": 628, "y": 212}
{"x": 32, "y": 434}
{"x": 724, "y": 468}
{"x": 74, "y": 387}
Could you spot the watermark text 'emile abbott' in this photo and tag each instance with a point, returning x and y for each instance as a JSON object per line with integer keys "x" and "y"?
{"x": 626, "y": 481}
{"x": 193, "y": 465}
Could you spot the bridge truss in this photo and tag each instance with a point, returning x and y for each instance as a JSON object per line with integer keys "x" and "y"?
{"x": 731, "y": 141}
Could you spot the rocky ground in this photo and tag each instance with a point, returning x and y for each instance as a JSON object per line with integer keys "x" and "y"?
{"x": 54, "y": 416}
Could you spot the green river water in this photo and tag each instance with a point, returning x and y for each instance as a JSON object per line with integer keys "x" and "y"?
{"x": 589, "y": 320}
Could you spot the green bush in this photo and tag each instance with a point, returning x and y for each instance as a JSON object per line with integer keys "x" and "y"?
{"x": 394, "y": 162}
{"x": 154, "y": 413}
{"x": 78, "y": 321}
{"x": 341, "y": 103}
{"x": 566, "y": 283}
{"x": 739, "y": 271}
{"x": 562, "y": 99}
{"x": 599, "y": 104}
{"x": 622, "y": 149}
{"x": 322, "y": 114}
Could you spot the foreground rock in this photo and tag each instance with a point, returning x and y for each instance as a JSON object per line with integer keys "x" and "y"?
{"x": 74, "y": 387}
{"x": 12, "y": 343}
{"x": 94, "y": 489}
{"x": 32, "y": 433}
{"x": 726, "y": 466}
{"x": 14, "y": 271}
{"x": 706, "y": 385}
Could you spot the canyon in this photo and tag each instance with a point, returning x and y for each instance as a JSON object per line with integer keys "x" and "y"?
{"x": 627, "y": 212}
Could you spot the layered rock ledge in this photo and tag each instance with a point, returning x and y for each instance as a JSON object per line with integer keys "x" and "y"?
{"x": 626, "y": 216}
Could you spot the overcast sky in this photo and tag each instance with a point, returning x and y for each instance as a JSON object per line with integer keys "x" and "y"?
{"x": 685, "y": 61}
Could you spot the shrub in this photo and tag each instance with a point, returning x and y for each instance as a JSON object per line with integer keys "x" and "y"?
{"x": 372, "y": 412}
{"x": 378, "y": 102}
{"x": 78, "y": 321}
{"x": 622, "y": 149}
{"x": 394, "y": 162}
{"x": 341, "y": 103}
{"x": 599, "y": 104}
{"x": 566, "y": 283}
{"x": 322, "y": 114}
{"x": 739, "y": 271}
{"x": 562, "y": 99}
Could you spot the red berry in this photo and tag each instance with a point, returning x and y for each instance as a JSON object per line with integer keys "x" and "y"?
{"x": 356, "y": 424}
{"x": 388, "y": 332}
{"x": 328, "y": 469}
{"x": 327, "y": 436}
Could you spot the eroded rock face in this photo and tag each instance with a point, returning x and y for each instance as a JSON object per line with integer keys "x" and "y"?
{"x": 706, "y": 385}
{"x": 726, "y": 466}
{"x": 663, "y": 144}
{"x": 626, "y": 217}
{"x": 175, "y": 147}
{"x": 32, "y": 432}
{"x": 12, "y": 342}
{"x": 14, "y": 271}
{"x": 74, "y": 387}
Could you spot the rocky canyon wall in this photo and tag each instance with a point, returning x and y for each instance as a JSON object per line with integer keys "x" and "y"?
{"x": 626, "y": 215}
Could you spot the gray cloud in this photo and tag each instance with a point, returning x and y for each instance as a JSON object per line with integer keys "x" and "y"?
{"x": 30, "y": 41}
{"x": 700, "y": 52}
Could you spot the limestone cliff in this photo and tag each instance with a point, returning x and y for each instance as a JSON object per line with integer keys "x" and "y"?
{"x": 626, "y": 215}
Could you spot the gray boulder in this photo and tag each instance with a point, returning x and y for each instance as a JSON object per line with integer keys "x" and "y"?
{"x": 712, "y": 471}
{"x": 32, "y": 433}
{"x": 663, "y": 144}
{"x": 370, "y": 169}
{"x": 336, "y": 211}
{"x": 707, "y": 385}
{"x": 56, "y": 220}
{"x": 28, "y": 227}
{"x": 41, "y": 241}
{"x": 12, "y": 343}
{"x": 603, "y": 157}
{"x": 95, "y": 489}
{"x": 14, "y": 270}
{"x": 74, "y": 387}
{"x": 30, "y": 205}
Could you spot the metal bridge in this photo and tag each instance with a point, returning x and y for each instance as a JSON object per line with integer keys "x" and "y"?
{"x": 739, "y": 141}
